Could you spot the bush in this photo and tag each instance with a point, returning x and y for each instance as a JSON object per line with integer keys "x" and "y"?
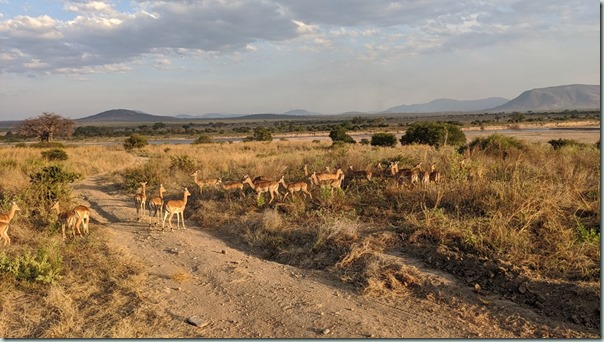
{"x": 41, "y": 267}
{"x": 434, "y": 134}
{"x": 55, "y": 154}
{"x": 383, "y": 139}
{"x": 497, "y": 144}
{"x": 135, "y": 141}
{"x": 339, "y": 134}
{"x": 203, "y": 139}
{"x": 47, "y": 145}
{"x": 51, "y": 184}
{"x": 560, "y": 143}
{"x": 261, "y": 134}
{"x": 182, "y": 163}
{"x": 365, "y": 141}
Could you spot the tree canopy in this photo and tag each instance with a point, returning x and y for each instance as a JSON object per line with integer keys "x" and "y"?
{"x": 434, "y": 133}
{"x": 46, "y": 126}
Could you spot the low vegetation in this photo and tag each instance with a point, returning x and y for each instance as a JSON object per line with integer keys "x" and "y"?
{"x": 500, "y": 199}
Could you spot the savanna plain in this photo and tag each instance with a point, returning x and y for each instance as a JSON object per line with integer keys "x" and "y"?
{"x": 505, "y": 245}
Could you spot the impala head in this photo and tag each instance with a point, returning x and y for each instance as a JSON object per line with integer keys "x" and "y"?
{"x": 187, "y": 193}
{"x": 245, "y": 178}
{"x": 161, "y": 188}
{"x": 194, "y": 174}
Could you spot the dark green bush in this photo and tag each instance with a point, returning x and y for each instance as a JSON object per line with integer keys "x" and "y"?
{"x": 383, "y": 139}
{"x": 261, "y": 134}
{"x": 339, "y": 134}
{"x": 55, "y": 154}
{"x": 560, "y": 143}
{"x": 51, "y": 184}
{"x": 135, "y": 141}
{"x": 497, "y": 145}
{"x": 434, "y": 134}
{"x": 203, "y": 139}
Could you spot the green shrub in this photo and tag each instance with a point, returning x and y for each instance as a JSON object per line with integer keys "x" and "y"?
{"x": 339, "y": 134}
{"x": 40, "y": 267}
{"x": 261, "y": 134}
{"x": 383, "y": 139}
{"x": 365, "y": 141}
{"x": 497, "y": 145}
{"x": 55, "y": 154}
{"x": 135, "y": 141}
{"x": 51, "y": 184}
{"x": 434, "y": 134}
{"x": 560, "y": 143}
{"x": 203, "y": 139}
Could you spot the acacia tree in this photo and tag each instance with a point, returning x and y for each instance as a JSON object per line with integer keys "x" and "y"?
{"x": 46, "y": 126}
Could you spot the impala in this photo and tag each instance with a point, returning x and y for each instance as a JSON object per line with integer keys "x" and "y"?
{"x": 333, "y": 184}
{"x": 324, "y": 177}
{"x": 434, "y": 175}
{"x": 6, "y": 218}
{"x": 157, "y": 203}
{"x": 360, "y": 174}
{"x": 261, "y": 187}
{"x": 232, "y": 186}
{"x": 176, "y": 207}
{"x": 83, "y": 216}
{"x": 139, "y": 200}
{"x": 213, "y": 182}
{"x": 295, "y": 187}
{"x": 66, "y": 218}
{"x": 5, "y": 221}
{"x": 409, "y": 176}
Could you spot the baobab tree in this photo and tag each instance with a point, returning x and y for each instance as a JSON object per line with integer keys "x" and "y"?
{"x": 46, "y": 126}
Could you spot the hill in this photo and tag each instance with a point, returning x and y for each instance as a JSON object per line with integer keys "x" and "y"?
{"x": 125, "y": 115}
{"x": 449, "y": 105}
{"x": 573, "y": 96}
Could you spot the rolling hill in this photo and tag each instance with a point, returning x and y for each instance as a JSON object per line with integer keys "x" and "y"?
{"x": 448, "y": 105}
{"x": 125, "y": 115}
{"x": 573, "y": 96}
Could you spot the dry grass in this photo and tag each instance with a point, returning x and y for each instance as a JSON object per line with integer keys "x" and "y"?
{"x": 537, "y": 208}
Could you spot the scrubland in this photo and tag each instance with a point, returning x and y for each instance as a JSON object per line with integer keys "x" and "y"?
{"x": 513, "y": 214}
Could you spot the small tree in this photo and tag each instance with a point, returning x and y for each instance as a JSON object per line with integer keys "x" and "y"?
{"x": 339, "y": 134}
{"x": 203, "y": 139}
{"x": 46, "y": 126}
{"x": 261, "y": 134}
{"x": 383, "y": 139}
{"x": 135, "y": 141}
{"x": 434, "y": 133}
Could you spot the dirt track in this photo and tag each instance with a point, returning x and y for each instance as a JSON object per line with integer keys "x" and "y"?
{"x": 236, "y": 295}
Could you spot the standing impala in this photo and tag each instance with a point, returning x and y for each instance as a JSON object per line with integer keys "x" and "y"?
{"x": 318, "y": 178}
{"x": 360, "y": 174}
{"x": 8, "y": 217}
{"x": 261, "y": 187}
{"x": 294, "y": 187}
{"x": 139, "y": 200}
{"x": 434, "y": 175}
{"x": 214, "y": 182}
{"x": 157, "y": 203}
{"x": 232, "y": 186}
{"x": 176, "y": 207}
{"x": 66, "y": 218}
{"x": 5, "y": 221}
{"x": 83, "y": 216}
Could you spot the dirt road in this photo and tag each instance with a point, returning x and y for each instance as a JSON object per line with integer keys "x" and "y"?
{"x": 232, "y": 294}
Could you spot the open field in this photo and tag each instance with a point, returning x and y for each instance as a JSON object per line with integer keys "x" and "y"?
{"x": 507, "y": 245}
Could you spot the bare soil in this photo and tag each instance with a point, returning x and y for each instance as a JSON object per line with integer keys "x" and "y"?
{"x": 196, "y": 274}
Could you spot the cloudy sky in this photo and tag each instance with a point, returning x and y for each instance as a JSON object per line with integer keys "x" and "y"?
{"x": 79, "y": 58}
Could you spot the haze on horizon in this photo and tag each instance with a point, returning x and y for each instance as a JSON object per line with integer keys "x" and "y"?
{"x": 79, "y": 58}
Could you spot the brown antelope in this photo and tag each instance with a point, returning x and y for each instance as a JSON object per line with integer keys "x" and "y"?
{"x": 213, "y": 182}
{"x": 424, "y": 178}
{"x": 157, "y": 203}
{"x": 8, "y": 217}
{"x": 261, "y": 187}
{"x": 360, "y": 174}
{"x": 295, "y": 187}
{"x": 318, "y": 178}
{"x": 5, "y": 221}
{"x": 409, "y": 176}
{"x": 176, "y": 207}
{"x": 139, "y": 200}
{"x": 67, "y": 218}
{"x": 83, "y": 218}
{"x": 434, "y": 175}
{"x": 332, "y": 184}
{"x": 232, "y": 186}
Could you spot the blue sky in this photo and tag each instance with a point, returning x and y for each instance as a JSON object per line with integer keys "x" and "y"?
{"x": 78, "y": 58}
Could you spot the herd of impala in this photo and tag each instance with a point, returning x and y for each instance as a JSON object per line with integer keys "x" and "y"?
{"x": 79, "y": 216}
